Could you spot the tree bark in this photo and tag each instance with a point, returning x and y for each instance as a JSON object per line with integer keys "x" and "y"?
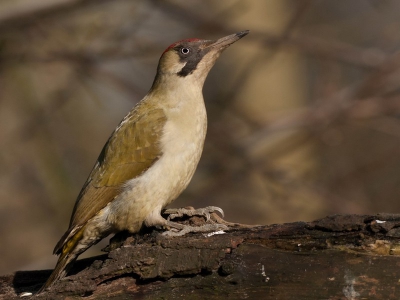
{"x": 337, "y": 257}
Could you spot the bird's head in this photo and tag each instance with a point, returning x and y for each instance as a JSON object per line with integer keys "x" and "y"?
{"x": 193, "y": 58}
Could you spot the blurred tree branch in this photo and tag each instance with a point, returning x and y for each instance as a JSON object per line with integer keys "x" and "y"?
{"x": 22, "y": 12}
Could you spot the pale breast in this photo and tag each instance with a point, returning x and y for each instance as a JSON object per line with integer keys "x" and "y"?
{"x": 182, "y": 145}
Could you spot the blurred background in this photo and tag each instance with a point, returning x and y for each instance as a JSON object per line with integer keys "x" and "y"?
{"x": 304, "y": 112}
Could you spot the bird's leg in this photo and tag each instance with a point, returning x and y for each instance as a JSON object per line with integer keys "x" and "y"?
{"x": 190, "y": 212}
{"x": 177, "y": 229}
{"x": 180, "y": 212}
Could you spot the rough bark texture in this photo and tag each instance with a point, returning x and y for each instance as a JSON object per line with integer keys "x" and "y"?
{"x": 338, "y": 257}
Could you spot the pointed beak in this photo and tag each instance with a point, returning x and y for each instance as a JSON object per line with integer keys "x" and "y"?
{"x": 226, "y": 41}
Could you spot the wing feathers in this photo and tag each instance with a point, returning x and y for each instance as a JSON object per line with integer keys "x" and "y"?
{"x": 131, "y": 150}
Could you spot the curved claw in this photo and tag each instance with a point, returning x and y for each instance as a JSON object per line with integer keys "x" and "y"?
{"x": 215, "y": 208}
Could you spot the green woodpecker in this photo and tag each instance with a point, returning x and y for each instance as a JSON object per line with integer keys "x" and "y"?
{"x": 150, "y": 157}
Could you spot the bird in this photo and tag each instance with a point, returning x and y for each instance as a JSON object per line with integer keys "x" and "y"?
{"x": 149, "y": 158}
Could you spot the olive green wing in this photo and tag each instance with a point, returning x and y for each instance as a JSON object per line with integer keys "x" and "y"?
{"x": 131, "y": 150}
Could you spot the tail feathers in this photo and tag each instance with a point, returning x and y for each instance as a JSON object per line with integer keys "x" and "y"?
{"x": 70, "y": 251}
{"x": 63, "y": 265}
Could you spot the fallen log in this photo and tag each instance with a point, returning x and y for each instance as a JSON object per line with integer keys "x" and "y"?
{"x": 337, "y": 257}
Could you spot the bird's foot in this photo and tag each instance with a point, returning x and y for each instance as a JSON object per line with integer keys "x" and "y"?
{"x": 178, "y": 229}
{"x": 190, "y": 212}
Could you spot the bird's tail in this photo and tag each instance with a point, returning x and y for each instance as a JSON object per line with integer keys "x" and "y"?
{"x": 63, "y": 265}
{"x": 69, "y": 253}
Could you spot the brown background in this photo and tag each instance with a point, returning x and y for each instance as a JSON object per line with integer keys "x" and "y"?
{"x": 303, "y": 112}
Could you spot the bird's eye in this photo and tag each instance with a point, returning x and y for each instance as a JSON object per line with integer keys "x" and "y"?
{"x": 185, "y": 50}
